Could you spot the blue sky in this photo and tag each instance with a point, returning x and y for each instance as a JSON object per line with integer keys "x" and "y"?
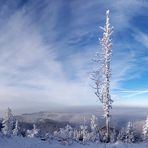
{"x": 46, "y": 49}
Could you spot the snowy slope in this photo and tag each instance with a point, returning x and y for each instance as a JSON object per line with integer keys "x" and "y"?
{"x": 19, "y": 142}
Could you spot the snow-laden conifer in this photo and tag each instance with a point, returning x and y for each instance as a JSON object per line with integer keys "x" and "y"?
{"x": 129, "y": 133}
{"x": 16, "y": 129}
{"x": 7, "y": 123}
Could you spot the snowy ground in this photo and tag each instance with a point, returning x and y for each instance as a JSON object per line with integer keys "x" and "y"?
{"x": 19, "y": 142}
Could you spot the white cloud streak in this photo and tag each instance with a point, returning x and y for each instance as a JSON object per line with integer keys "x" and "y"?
{"x": 142, "y": 38}
{"x": 134, "y": 93}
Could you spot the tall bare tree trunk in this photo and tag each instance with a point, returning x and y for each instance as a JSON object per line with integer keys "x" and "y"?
{"x": 101, "y": 75}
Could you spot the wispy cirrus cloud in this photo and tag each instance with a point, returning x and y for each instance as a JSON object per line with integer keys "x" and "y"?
{"x": 141, "y": 38}
{"x": 132, "y": 93}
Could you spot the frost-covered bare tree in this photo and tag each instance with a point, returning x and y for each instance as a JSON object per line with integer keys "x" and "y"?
{"x": 102, "y": 73}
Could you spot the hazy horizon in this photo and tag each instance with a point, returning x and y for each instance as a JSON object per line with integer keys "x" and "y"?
{"x": 72, "y": 109}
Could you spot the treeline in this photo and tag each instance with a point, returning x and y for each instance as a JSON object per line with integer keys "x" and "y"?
{"x": 83, "y": 134}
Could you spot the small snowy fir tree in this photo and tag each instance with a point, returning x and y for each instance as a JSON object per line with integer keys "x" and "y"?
{"x": 145, "y": 130}
{"x": 102, "y": 73}
{"x": 7, "y": 123}
{"x": 130, "y": 135}
{"x": 16, "y": 129}
{"x": 33, "y": 133}
{"x": 94, "y": 134}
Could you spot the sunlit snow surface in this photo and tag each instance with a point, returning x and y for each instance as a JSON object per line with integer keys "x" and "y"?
{"x": 19, "y": 142}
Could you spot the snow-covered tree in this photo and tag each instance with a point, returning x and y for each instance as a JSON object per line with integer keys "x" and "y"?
{"x": 102, "y": 73}
{"x": 129, "y": 133}
{"x": 94, "y": 134}
{"x": 93, "y": 123}
{"x": 65, "y": 135}
{"x": 113, "y": 136}
{"x": 7, "y": 123}
{"x": 76, "y": 135}
{"x": 69, "y": 131}
{"x": 84, "y": 134}
{"x": 121, "y": 135}
{"x": 145, "y": 130}
{"x": 33, "y": 133}
{"x": 16, "y": 129}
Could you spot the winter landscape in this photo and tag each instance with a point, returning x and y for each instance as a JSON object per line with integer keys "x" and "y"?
{"x": 73, "y": 74}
